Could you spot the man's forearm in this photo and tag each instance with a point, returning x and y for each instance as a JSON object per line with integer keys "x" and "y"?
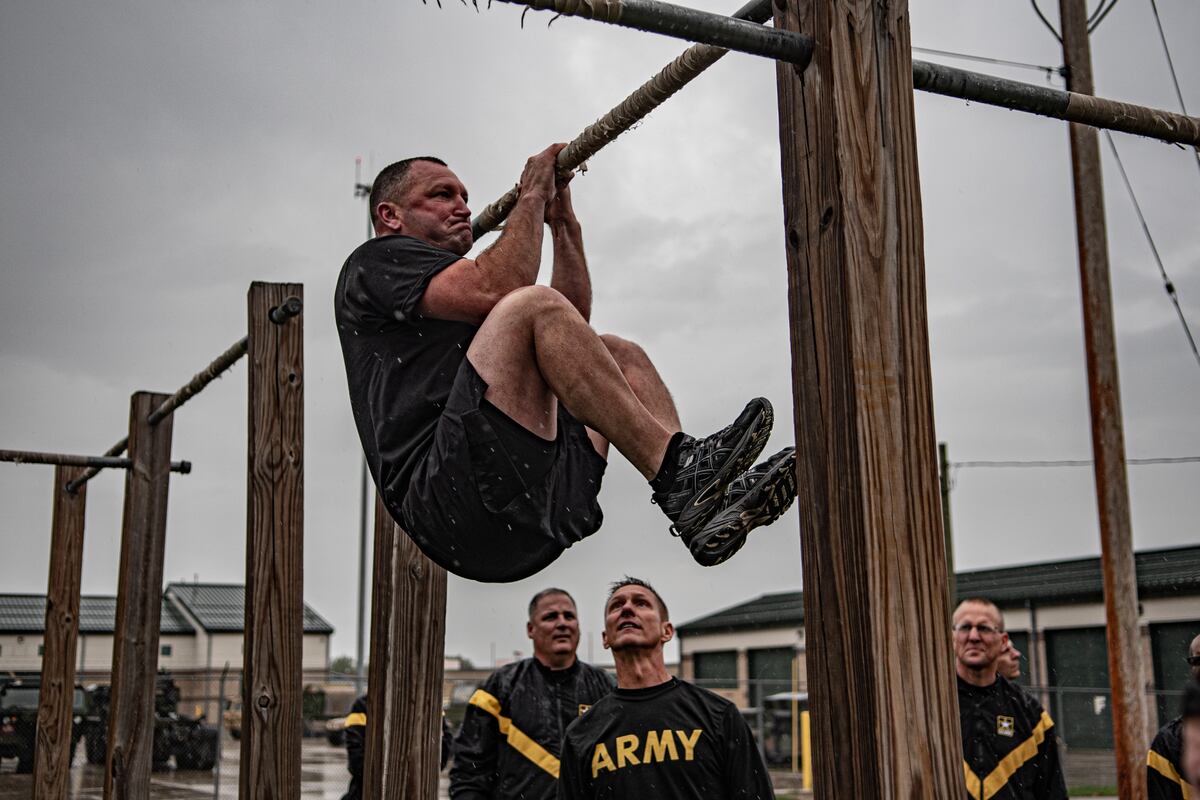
{"x": 514, "y": 258}
{"x": 570, "y": 276}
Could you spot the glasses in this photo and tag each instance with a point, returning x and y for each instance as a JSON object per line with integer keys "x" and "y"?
{"x": 1193, "y": 661}
{"x": 983, "y": 630}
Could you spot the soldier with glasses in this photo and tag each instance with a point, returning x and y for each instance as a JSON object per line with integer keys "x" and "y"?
{"x": 1009, "y": 748}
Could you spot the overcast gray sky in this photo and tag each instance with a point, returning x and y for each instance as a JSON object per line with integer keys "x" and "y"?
{"x": 157, "y": 157}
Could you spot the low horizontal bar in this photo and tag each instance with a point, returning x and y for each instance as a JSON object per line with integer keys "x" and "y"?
{"x": 201, "y": 379}
{"x": 291, "y": 307}
{"x": 1084, "y": 109}
{"x": 692, "y": 24}
{"x": 66, "y": 460}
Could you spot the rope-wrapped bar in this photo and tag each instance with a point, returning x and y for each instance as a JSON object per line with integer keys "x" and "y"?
{"x": 934, "y": 78}
{"x": 1057, "y": 103}
{"x": 634, "y": 108}
{"x": 290, "y": 307}
{"x": 68, "y": 460}
{"x": 681, "y": 22}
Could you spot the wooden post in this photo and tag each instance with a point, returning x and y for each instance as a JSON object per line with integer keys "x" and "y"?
{"x": 408, "y": 635}
{"x": 274, "y": 632}
{"x": 139, "y": 604}
{"x": 1108, "y": 436}
{"x": 873, "y": 553}
{"x": 52, "y": 754}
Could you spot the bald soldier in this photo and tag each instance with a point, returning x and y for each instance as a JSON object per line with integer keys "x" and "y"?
{"x": 1009, "y": 748}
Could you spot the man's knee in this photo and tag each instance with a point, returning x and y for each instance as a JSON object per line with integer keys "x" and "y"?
{"x": 624, "y": 352}
{"x": 531, "y": 302}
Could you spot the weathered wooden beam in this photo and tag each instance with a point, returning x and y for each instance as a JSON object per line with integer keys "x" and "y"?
{"x": 68, "y": 460}
{"x": 873, "y": 553}
{"x": 139, "y": 604}
{"x": 1108, "y": 434}
{"x": 52, "y": 755}
{"x": 408, "y": 634}
{"x": 274, "y": 631}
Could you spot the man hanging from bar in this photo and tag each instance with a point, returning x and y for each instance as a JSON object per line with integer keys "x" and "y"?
{"x": 486, "y": 404}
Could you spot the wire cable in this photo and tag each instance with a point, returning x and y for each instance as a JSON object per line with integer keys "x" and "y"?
{"x": 1171, "y": 65}
{"x": 987, "y": 60}
{"x": 1099, "y": 14}
{"x": 1073, "y": 462}
{"x": 1045, "y": 21}
{"x": 1167, "y": 284}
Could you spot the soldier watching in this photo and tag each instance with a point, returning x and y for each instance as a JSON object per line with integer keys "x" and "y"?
{"x": 1009, "y": 748}
{"x": 511, "y": 735}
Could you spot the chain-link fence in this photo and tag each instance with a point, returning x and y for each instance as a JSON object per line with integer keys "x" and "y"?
{"x": 198, "y": 726}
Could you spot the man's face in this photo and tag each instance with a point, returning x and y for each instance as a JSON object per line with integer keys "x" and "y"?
{"x": 978, "y": 640}
{"x": 554, "y": 629}
{"x": 1009, "y": 663}
{"x": 433, "y": 208}
{"x": 633, "y": 620}
{"x": 1194, "y": 658}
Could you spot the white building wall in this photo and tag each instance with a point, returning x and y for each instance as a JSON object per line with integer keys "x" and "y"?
{"x": 315, "y": 652}
{"x": 19, "y": 652}
{"x": 748, "y": 640}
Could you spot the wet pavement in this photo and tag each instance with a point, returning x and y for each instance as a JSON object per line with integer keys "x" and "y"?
{"x": 323, "y": 775}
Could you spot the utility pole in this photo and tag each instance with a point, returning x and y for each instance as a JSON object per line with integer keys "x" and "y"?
{"x": 944, "y": 476}
{"x": 364, "y": 191}
{"x": 1108, "y": 438}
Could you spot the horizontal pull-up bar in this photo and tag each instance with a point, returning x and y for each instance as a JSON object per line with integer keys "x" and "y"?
{"x": 681, "y": 22}
{"x": 1084, "y": 109}
{"x": 65, "y": 460}
{"x": 627, "y": 113}
{"x": 935, "y": 78}
{"x": 290, "y": 307}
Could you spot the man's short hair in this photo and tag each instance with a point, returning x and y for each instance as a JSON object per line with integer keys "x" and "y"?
{"x": 983, "y": 601}
{"x": 544, "y": 593}
{"x": 631, "y": 581}
{"x": 389, "y": 184}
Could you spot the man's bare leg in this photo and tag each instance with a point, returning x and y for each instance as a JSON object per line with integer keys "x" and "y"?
{"x": 646, "y": 383}
{"x": 535, "y": 348}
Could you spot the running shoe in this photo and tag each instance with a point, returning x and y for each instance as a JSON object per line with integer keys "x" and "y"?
{"x": 708, "y": 465}
{"x": 757, "y": 497}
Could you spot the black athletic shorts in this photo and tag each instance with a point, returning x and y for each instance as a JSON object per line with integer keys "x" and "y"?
{"x": 492, "y": 501}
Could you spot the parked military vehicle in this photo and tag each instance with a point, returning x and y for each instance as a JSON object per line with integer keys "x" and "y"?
{"x": 191, "y": 741}
{"x": 18, "y": 720}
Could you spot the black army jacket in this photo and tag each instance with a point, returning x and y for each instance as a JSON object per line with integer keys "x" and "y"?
{"x": 1009, "y": 748}
{"x": 1163, "y": 771}
{"x": 511, "y": 736}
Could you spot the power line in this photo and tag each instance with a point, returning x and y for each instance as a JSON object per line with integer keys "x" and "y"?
{"x": 1171, "y": 65}
{"x": 1099, "y": 14}
{"x": 987, "y": 60}
{"x": 1073, "y": 462}
{"x": 1167, "y": 284}
{"x": 1045, "y": 21}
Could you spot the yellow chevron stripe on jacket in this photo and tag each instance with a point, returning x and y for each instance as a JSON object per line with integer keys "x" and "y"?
{"x": 515, "y": 736}
{"x": 357, "y": 718}
{"x": 1008, "y": 765}
{"x": 1165, "y": 768}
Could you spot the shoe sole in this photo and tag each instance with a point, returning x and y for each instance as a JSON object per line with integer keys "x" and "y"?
{"x": 762, "y": 505}
{"x": 707, "y": 501}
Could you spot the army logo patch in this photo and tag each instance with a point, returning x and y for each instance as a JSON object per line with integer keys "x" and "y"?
{"x": 1004, "y": 726}
{"x": 583, "y": 708}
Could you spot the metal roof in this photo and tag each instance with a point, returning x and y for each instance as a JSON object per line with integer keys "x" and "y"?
{"x": 217, "y": 607}
{"x": 1160, "y": 573}
{"x": 221, "y": 607}
{"x": 26, "y": 613}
